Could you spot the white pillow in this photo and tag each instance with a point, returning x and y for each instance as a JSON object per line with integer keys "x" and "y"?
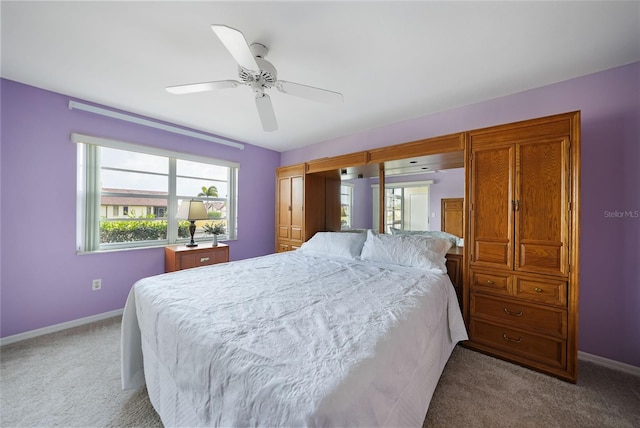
{"x": 418, "y": 251}
{"x": 337, "y": 244}
{"x": 455, "y": 241}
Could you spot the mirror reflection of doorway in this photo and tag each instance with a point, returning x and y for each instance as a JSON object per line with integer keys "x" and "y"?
{"x": 416, "y": 214}
{"x": 406, "y": 206}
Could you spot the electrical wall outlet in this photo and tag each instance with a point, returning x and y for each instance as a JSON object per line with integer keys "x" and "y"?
{"x": 96, "y": 284}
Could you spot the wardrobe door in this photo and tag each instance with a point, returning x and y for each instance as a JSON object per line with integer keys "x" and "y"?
{"x": 491, "y": 207}
{"x": 542, "y": 206}
{"x": 297, "y": 209}
{"x": 284, "y": 207}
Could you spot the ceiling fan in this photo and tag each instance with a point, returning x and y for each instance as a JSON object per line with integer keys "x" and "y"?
{"x": 257, "y": 73}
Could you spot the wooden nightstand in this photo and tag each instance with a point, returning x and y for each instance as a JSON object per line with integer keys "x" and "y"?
{"x": 178, "y": 257}
{"x": 454, "y": 270}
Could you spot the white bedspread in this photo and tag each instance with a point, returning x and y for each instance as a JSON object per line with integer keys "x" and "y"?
{"x": 289, "y": 339}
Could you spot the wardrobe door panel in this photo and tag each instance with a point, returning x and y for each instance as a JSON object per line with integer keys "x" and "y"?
{"x": 284, "y": 207}
{"x": 297, "y": 213}
{"x": 491, "y": 205}
{"x": 542, "y": 213}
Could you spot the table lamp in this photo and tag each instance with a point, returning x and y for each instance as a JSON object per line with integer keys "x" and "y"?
{"x": 192, "y": 210}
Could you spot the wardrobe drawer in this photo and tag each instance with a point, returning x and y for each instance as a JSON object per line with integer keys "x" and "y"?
{"x": 541, "y": 349}
{"x": 283, "y": 246}
{"x": 496, "y": 283}
{"x": 553, "y": 292}
{"x": 539, "y": 319}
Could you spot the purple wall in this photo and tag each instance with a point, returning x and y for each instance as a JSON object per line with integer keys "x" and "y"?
{"x": 43, "y": 281}
{"x": 609, "y": 318}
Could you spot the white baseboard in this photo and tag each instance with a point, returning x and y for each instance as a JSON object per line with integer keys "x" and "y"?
{"x": 59, "y": 327}
{"x": 612, "y": 364}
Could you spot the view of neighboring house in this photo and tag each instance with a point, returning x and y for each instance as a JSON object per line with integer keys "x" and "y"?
{"x": 116, "y": 204}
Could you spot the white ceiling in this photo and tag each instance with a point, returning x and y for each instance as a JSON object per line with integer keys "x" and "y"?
{"x": 391, "y": 60}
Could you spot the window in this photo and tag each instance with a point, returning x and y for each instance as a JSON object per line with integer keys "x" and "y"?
{"x": 147, "y": 186}
{"x": 346, "y": 206}
{"x": 394, "y": 208}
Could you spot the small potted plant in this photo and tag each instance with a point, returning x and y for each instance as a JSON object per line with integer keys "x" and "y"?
{"x": 214, "y": 229}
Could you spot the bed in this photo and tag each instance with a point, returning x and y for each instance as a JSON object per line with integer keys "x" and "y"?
{"x": 349, "y": 330}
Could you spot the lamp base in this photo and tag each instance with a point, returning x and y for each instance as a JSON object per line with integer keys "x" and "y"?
{"x": 192, "y": 231}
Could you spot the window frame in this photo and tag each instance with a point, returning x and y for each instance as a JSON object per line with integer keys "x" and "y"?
{"x": 86, "y": 168}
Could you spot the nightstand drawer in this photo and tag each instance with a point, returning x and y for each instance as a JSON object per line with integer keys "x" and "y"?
{"x": 202, "y": 259}
{"x": 178, "y": 257}
{"x": 542, "y": 349}
{"x": 539, "y": 319}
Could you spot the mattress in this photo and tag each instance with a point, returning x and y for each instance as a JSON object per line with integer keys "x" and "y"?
{"x": 290, "y": 339}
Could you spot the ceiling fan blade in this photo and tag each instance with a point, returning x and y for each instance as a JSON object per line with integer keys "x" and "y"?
{"x": 202, "y": 87}
{"x": 309, "y": 92}
{"x": 237, "y": 46}
{"x": 266, "y": 113}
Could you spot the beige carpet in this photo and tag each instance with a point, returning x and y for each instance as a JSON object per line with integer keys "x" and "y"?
{"x": 72, "y": 379}
{"x": 476, "y": 390}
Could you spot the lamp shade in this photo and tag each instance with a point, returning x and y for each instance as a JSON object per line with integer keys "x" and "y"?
{"x": 192, "y": 210}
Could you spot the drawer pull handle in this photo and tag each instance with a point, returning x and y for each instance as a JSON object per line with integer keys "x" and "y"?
{"x": 490, "y": 282}
{"x": 204, "y": 259}
{"x": 538, "y": 290}
{"x": 515, "y": 314}
{"x": 505, "y": 337}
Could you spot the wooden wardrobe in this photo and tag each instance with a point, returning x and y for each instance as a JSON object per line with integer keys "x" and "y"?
{"x": 522, "y": 276}
{"x": 305, "y": 204}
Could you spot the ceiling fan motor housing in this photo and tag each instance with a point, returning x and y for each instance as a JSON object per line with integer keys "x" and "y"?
{"x": 266, "y": 77}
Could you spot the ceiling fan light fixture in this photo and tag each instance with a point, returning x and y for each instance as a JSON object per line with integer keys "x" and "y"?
{"x": 267, "y": 75}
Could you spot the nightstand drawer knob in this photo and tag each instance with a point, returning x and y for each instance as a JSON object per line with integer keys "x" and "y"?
{"x": 538, "y": 290}
{"x": 204, "y": 259}
{"x": 490, "y": 282}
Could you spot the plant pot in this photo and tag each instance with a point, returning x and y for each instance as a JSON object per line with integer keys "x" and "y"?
{"x": 215, "y": 241}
